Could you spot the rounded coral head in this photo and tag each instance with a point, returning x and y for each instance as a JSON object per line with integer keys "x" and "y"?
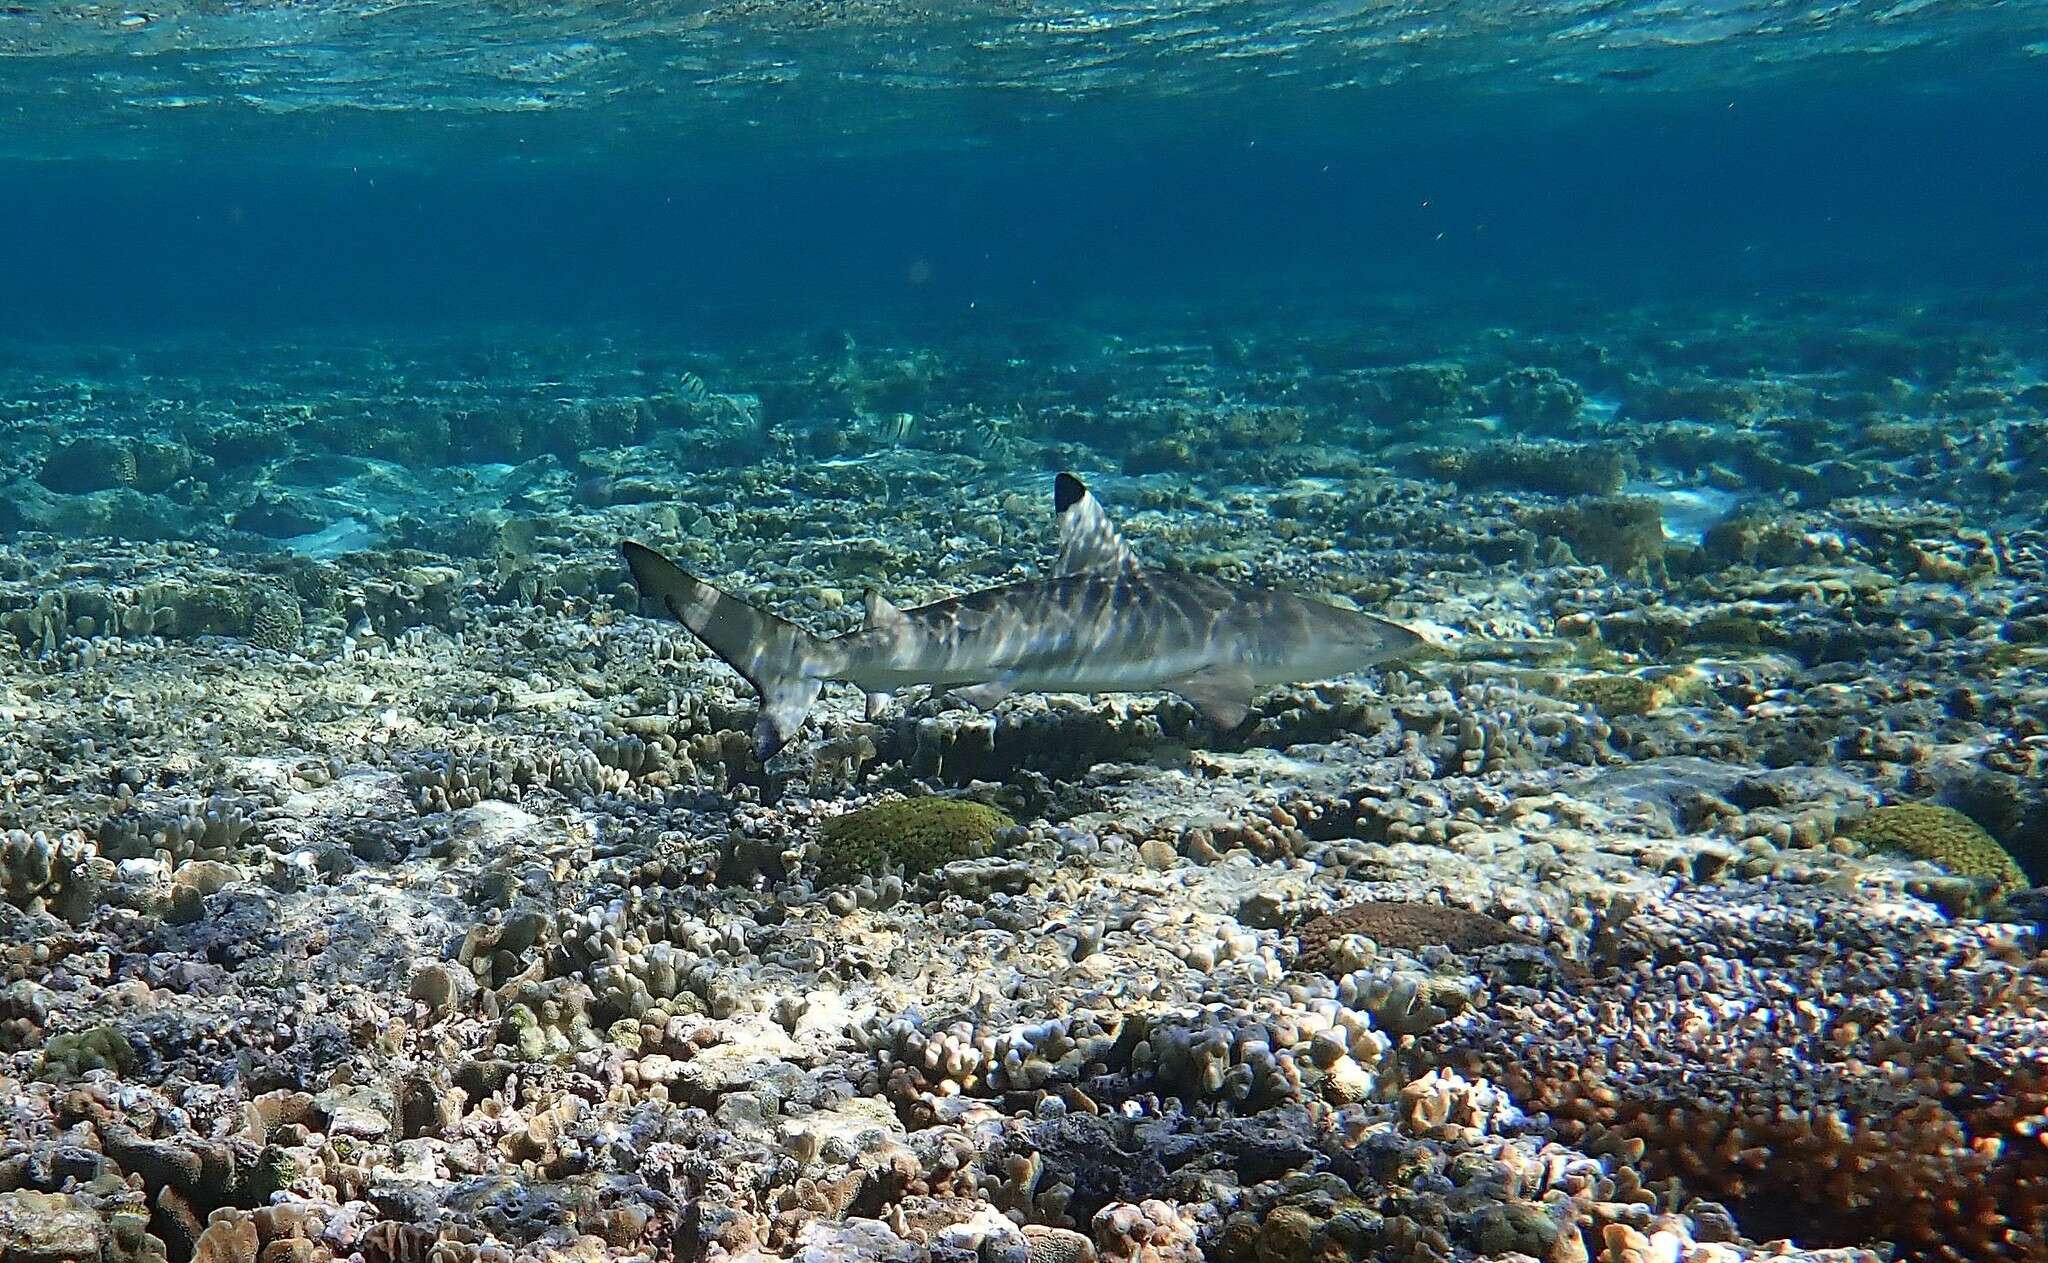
{"x": 1943, "y": 836}
{"x": 905, "y": 835}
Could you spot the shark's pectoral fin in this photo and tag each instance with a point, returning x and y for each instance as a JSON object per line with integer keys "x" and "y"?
{"x": 983, "y": 696}
{"x": 877, "y": 703}
{"x": 1222, "y": 694}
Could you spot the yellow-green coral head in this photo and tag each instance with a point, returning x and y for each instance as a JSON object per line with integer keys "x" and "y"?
{"x": 908, "y": 835}
{"x": 71, "y": 1055}
{"x": 1945, "y": 837}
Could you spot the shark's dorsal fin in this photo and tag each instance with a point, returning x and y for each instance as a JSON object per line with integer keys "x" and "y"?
{"x": 882, "y": 612}
{"x": 1089, "y": 541}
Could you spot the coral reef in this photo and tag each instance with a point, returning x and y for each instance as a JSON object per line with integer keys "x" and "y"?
{"x": 376, "y": 884}
{"x": 1623, "y": 533}
{"x": 1559, "y": 469}
{"x": 277, "y": 621}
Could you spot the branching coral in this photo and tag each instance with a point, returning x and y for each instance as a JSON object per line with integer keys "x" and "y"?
{"x": 1834, "y": 1073}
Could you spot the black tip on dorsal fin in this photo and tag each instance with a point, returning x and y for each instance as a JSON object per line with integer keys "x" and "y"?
{"x": 1089, "y": 541}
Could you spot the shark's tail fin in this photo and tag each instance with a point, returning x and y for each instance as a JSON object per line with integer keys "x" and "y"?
{"x": 780, "y": 659}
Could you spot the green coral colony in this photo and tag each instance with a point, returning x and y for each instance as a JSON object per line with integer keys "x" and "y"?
{"x": 1943, "y": 836}
{"x": 910, "y": 836}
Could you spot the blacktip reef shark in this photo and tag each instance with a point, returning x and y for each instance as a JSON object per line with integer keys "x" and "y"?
{"x": 1100, "y": 623}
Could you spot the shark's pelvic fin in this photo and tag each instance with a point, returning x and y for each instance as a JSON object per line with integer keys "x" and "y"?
{"x": 775, "y": 656}
{"x": 1397, "y": 640}
{"x": 986, "y": 694}
{"x": 1222, "y": 694}
{"x": 1089, "y": 541}
{"x": 882, "y": 615}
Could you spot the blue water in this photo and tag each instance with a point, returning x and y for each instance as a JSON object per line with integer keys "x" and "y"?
{"x": 1685, "y": 173}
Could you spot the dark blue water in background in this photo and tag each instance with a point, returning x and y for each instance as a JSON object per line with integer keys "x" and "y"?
{"x": 1878, "y": 182}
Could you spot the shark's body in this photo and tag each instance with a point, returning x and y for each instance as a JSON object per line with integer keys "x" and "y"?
{"x": 1100, "y": 624}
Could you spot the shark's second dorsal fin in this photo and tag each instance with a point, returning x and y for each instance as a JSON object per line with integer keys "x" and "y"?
{"x": 881, "y": 612}
{"x": 1089, "y": 541}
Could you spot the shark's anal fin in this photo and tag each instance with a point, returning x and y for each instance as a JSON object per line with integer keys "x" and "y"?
{"x": 1222, "y": 694}
{"x": 1089, "y": 541}
{"x": 876, "y": 704}
{"x": 882, "y": 612}
{"x": 986, "y": 694}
